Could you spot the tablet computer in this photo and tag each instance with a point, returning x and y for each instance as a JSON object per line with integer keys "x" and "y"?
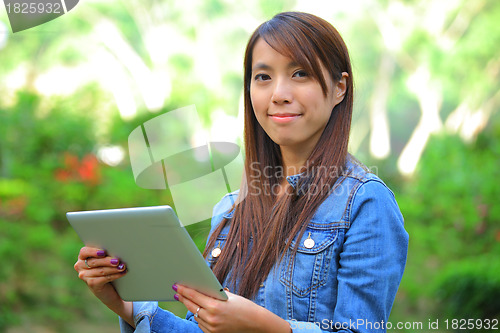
{"x": 156, "y": 248}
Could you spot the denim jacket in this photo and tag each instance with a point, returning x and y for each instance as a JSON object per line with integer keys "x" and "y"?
{"x": 344, "y": 281}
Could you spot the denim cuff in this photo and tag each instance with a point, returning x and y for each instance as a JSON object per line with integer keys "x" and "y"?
{"x": 142, "y": 309}
{"x": 142, "y": 313}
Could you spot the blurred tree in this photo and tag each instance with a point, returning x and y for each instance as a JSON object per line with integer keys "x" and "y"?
{"x": 421, "y": 67}
{"x": 435, "y": 44}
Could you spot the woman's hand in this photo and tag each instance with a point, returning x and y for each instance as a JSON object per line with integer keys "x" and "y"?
{"x": 97, "y": 270}
{"x": 237, "y": 314}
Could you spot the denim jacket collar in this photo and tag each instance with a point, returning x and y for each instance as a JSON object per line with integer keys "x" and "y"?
{"x": 353, "y": 168}
{"x": 292, "y": 180}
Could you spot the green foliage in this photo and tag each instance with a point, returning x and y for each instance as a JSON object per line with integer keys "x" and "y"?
{"x": 451, "y": 215}
{"x": 470, "y": 288}
{"x": 48, "y": 168}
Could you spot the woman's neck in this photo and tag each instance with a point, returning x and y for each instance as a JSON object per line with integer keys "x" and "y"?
{"x": 293, "y": 159}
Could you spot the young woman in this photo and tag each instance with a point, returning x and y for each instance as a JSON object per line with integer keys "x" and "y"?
{"x": 313, "y": 242}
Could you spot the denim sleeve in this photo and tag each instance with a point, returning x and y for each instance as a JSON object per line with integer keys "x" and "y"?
{"x": 371, "y": 264}
{"x": 149, "y": 317}
{"x": 372, "y": 260}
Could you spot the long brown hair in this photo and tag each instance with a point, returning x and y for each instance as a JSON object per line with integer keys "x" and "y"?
{"x": 264, "y": 225}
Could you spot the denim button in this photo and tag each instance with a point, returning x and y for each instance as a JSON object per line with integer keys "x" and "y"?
{"x": 309, "y": 242}
{"x": 216, "y": 252}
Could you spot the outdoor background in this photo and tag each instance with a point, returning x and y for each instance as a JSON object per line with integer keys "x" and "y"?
{"x": 426, "y": 120}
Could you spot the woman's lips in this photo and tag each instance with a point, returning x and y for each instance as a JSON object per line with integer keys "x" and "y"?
{"x": 284, "y": 117}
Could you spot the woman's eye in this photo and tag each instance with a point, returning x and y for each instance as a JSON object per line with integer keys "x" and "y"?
{"x": 262, "y": 77}
{"x": 300, "y": 73}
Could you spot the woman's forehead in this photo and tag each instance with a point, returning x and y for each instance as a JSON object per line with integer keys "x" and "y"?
{"x": 264, "y": 55}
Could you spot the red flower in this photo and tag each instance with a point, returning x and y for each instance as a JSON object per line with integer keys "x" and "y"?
{"x": 86, "y": 171}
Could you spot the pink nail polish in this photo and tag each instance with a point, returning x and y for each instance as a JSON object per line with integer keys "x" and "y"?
{"x": 176, "y": 297}
{"x": 114, "y": 261}
{"x": 174, "y": 287}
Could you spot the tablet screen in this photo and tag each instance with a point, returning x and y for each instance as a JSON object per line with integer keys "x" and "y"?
{"x": 156, "y": 248}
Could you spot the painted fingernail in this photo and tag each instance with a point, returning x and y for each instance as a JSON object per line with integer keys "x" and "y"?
{"x": 114, "y": 261}
{"x": 174, "y": 287}
{"x": 121, "y": 266}
{"x": 101, "y": 253}
{"x": 176, "y": 297}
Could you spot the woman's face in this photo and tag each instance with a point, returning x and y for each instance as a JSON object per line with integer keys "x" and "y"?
{"x": 289, "y": 103}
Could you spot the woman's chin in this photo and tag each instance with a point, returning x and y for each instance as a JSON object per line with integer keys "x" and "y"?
{"x": 285, "y": 141}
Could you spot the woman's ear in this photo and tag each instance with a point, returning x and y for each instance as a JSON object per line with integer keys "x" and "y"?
{"x": 341, "y": 87}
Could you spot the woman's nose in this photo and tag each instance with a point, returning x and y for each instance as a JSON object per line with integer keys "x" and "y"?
{"x": 282, "y": 93}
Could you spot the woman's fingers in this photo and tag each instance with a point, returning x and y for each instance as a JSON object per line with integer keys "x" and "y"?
{"x": 204, "y": 327}
{"x": 187, "y": 297}
{"x": 98, "y": 281}
{"x": 103, "y": 271}
{"x": 207, "y": 308}
{"x": 91, "y": 257}
{"x": 102, "y": 262}
{"x": 196, "y": 297}
{"x": 97, "y": 269}
{"x": 86, "y": 252}
{"x": 190, "y": 305}
{"x": 202, "y": 314}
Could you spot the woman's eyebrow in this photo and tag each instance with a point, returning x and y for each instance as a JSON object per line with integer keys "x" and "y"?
{"x": 261, "y": 65}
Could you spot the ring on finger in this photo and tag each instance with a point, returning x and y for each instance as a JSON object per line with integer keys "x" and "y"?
{"x": 196, "y": 315}
{"x": 87, "y": 264}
